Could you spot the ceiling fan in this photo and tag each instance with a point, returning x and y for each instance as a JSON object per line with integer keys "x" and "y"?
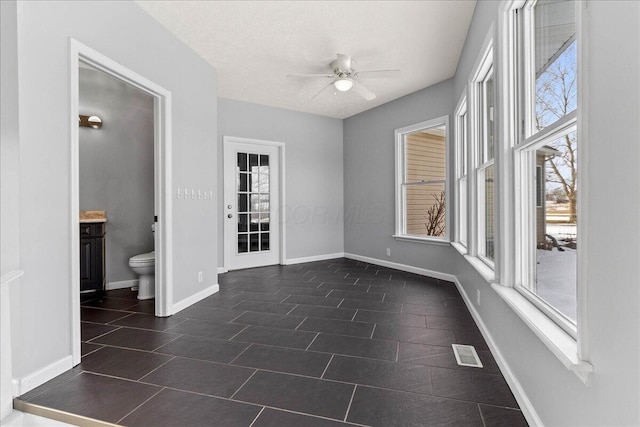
{"x": 344, "y": 77}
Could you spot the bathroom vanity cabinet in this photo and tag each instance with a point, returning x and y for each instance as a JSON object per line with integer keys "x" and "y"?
{"x": 92, "y": 265}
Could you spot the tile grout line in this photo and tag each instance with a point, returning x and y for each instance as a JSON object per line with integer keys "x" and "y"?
{"x": 373, "y": 330}
{"x": 296, "y": 306}
{"x": 484, "y": 423}
{"x": 301, "y": 322}
{"x": 243, "y": 384}
{"x": 153, "y": 370}
{"x": 138, "y": 407}
{"x": 294, "y": 375}
{"x": 168, "y": 342}
{"x": 177, "y": 324}
{"x": 354, "y": 315}
{"x": 327, "y": 367}
{"x": 239, "y": 354}
{"x": 164, "y": 331}
{"x": 397, "y": 350}
{"x": 235, "y": 318}
{"x": 239, "y": 332}
{"x": 257, "y": 416}
{"x": 312, "y": 341}
{"x": 338, "y": 306}
{"x": 431, "y": 380}
{"x": 101, "y": 335}
{"x": 291, "y": 411}
{"x": 110, "y": 323}
{"x": 350, "y": 402}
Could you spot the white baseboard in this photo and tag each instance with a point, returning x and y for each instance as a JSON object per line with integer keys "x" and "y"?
{"x": 525, "y": 404}
{"x": 181, "y": 305}
{"x": 403, "y": 267}
{"x": 121, "y": 284}
{"x": 41, "y": 376}
{"x": 222, "y": 270}
{"x": 292, "y": 261}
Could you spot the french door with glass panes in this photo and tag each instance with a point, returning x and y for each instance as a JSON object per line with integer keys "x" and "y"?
{"x": 251, "y": 204}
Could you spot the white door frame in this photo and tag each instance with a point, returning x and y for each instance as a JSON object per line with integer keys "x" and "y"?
{"x": 162, "y": 178}
{"x": 227, "y": 140}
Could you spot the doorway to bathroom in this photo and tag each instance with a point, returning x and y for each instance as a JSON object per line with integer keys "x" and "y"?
{"x": 121, "y": 172}
{"x": 253, "y": 201}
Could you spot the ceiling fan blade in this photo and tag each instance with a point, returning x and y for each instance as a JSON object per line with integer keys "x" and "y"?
{"x": 377, "y": 74}
{"x": 343, "y": 62}
{"x": 363, "y": 91}
{"x": 311, "y": 75}
{"x": 322, "y": 90}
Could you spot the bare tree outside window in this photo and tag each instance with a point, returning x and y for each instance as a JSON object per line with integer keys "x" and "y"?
{"x": 556, "y": 96}
{"x": 435, "y": 216}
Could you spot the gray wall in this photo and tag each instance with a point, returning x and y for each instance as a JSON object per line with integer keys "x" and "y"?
{"x": 116, "y": 167}
{"x": 313, "y": 180}
{"x": 9, "y": 185}
{"x": 369, "y": 179}
{"x": 126, "y": 34}
{"x": 9, "y": 148}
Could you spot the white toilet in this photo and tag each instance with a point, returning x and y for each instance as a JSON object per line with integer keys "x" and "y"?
{"x": 144, "y": 265}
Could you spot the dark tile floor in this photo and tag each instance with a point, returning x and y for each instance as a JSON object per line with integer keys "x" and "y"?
{"x": 329, "y": 343}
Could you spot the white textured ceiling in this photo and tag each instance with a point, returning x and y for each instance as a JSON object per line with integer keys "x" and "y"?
{"x": 254, "y": 45}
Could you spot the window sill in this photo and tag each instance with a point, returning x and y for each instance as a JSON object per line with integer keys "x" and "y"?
{"x": 483, "y": 269}
{"x": 429, "y": 240}
{"x": 561, "y": 344}
{"x": 459, "y": 247}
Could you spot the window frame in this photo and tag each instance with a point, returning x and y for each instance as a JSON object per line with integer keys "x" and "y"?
{"x": 525, "y": 194}
{"x": 524, "y": 165}
{"x": 462, "y": 172}
{"x": 572, "y": 350}
{"x": 484, "y": 70}
{"x": 400, "y": 172}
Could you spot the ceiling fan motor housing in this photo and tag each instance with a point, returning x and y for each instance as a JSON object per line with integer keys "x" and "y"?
{"x": 343, "y": 67}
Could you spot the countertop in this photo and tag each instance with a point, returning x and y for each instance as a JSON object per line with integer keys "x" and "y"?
{"x": 92, "y": 216}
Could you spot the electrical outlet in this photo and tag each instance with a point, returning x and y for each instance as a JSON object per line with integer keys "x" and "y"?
{"x": 478, "y": 296}
{"x": 199, "y": 276}
{"x": 388, "y": 251}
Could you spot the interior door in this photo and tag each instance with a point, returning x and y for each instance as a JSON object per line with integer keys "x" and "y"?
{"x": 251, "y": 204}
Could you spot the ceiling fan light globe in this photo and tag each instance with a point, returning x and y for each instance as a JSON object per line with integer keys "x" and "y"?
{"x": 343, "y": 85}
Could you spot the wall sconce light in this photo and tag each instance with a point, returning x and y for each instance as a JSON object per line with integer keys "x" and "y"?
{"x": 94, "y": 122}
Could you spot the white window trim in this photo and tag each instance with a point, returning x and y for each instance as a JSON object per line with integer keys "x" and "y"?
{"x": 573, "y": 352}
{"x": 461, "y": 137}
{"x": 524, "y": 193}
{"x": 400, "y": 165}
{"x": 483, "y": 65}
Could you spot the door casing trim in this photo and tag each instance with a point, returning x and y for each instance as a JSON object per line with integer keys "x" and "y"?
{"x": 162, "y": 187}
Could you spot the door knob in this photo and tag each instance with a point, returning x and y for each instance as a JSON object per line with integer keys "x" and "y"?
{"x": 229, "y": 215}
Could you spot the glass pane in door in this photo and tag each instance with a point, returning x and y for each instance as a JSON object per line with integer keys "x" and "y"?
{"x": 253, "y": 190}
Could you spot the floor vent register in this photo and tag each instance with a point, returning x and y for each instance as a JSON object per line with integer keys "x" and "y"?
{"x": 466, "y": 355}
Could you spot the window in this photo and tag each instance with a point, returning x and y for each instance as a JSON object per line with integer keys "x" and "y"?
{"x": 546, "y": 157}
{"x": 462, "y": 165}
{"x": 421, "y": 180}
{"x": 485, "y": 172}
